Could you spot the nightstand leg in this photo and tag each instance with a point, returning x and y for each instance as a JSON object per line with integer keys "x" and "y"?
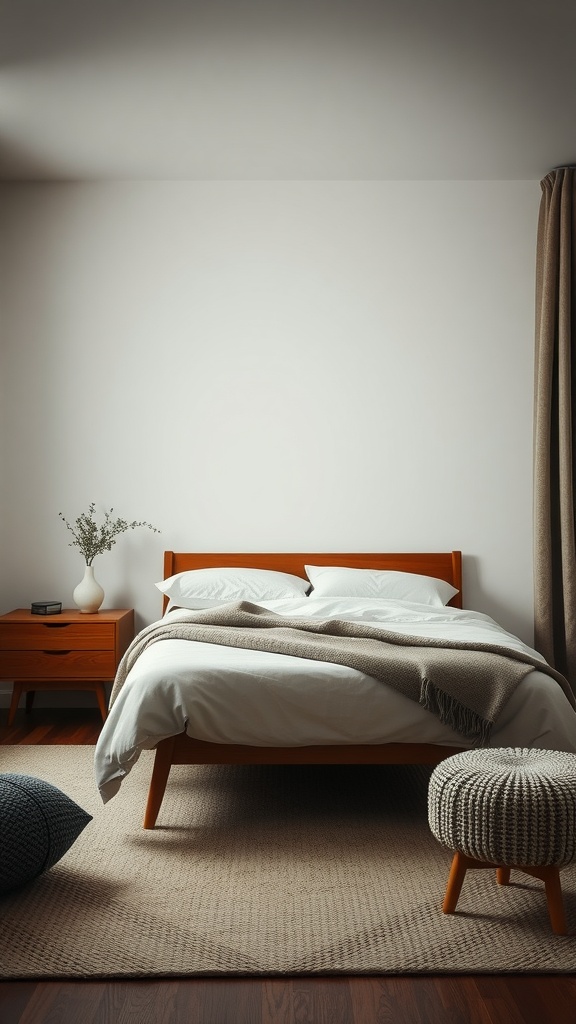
{"x": 101, "y": 695}
{"x": 30, "y": 694}
{"x": 16, "y": 694}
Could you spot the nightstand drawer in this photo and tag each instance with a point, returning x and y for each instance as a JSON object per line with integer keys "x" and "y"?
{"x": 57, "y": 664}
{"x": 50, "y": 636}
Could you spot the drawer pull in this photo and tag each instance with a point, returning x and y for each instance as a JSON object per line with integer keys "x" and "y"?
{"x": 55, "y": 652}
{"x": 55, "y": 625}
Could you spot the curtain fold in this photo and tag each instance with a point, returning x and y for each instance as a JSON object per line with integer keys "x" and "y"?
{"x": 555, "y": 424}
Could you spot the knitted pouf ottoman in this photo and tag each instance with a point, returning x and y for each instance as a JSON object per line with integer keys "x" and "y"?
{"x": 506, "y": 808}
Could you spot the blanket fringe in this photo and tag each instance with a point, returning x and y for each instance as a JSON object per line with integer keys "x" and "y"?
{"x": 454, "y": 714}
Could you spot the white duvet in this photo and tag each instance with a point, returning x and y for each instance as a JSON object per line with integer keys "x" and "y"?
{"x": 228, "y": 695}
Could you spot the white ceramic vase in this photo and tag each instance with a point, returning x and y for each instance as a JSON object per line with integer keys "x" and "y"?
{"x": 88, "y": 595}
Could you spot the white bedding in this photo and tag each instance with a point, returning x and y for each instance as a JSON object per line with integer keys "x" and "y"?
{"x": 226, "y": 695}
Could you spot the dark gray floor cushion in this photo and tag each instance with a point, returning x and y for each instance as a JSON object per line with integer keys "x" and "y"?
{"x": 38, "y": 824}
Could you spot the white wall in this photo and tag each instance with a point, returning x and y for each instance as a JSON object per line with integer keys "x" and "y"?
{"x": 268, "y": 366}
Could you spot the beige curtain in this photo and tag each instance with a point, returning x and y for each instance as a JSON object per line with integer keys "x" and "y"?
{"x": 555, "y": 424}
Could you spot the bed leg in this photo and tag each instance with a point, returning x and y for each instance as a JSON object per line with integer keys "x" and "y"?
{"x": 160, "y": 773}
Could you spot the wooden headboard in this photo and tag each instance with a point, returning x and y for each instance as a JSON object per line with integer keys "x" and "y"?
{"x": 443, "y": 565}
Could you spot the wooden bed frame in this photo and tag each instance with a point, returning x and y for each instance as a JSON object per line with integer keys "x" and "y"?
{"x": 183, "y": 749}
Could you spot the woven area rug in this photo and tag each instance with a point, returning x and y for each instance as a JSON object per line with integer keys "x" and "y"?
{"x": 265, "y": 871}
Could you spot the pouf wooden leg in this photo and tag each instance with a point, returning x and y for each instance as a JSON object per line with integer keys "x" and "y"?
{"x": 550, "y": 875}
{"x": 460, "y": 864}
{"x": 455, "y": 879}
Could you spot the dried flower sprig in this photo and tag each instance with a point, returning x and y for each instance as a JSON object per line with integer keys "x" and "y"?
{"x": 93, "y": 539}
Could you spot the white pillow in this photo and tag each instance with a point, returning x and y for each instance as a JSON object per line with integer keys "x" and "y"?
{"x": 335, "y": 581}
{"x": 206, "y": 588}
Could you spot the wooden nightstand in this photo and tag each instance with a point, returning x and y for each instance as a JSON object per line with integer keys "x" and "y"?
{"x": 70, "y": 651}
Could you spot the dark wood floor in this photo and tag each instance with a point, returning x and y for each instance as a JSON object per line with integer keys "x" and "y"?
{"x": 481, "y": 999}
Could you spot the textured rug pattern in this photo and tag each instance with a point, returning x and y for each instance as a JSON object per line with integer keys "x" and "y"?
{"x": 265, "y": 871}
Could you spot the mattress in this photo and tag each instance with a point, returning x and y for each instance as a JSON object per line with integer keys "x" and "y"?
{"x": 228, "y": 695}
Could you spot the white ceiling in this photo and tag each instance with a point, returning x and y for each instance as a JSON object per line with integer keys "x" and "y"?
{"x": 284, "y": 89}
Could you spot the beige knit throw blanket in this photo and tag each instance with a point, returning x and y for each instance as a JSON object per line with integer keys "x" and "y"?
{"x": 465, "y": 684}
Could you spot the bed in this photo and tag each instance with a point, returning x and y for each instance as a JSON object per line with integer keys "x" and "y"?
{"x": 169, "y": 705}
